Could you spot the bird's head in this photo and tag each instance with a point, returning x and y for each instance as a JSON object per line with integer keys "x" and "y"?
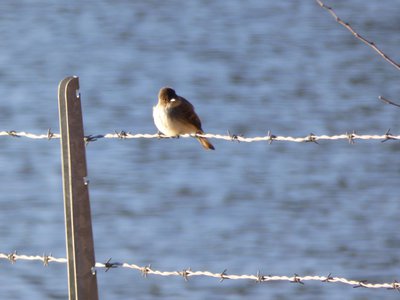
{"x": 167, "y": 95}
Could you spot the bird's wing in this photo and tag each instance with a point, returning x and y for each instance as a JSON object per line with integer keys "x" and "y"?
{"x": 183, "y": 111}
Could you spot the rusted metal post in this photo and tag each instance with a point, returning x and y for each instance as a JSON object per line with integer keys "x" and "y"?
{"x": 82, "y": 282}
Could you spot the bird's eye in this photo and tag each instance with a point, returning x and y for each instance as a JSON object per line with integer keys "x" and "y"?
{"x": 172, "y": 100}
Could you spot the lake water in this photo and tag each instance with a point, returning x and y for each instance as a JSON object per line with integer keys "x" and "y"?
{"x": 248, "y": 67}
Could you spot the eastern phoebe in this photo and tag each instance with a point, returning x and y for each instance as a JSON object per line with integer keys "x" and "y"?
{"x": 174, "y": 115}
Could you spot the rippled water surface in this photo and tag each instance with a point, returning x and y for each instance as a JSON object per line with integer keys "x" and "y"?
{"x": 248, "y": 67}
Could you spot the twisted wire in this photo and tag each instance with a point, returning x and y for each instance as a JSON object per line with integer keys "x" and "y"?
{"x": 187, "y": 273}
{"x": 350, "y": 137}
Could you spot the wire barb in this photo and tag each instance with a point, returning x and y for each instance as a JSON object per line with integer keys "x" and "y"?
{"x": 12, "y": 257}
{"x": 13, "y": 133}
{"x": 271, "y": 137}
{"x": 388, "y": 136}
{"x": 234, "y": 137}
{"x": 145, "y": 270}
{"x": 46, "y": 259}
{"x": 260, "y": 277}
{"x": 185, "y": 274}
{"x": 92, "y": 138}
{"x": 328, "y": 278}
{"x": 111, "y": 265}
{"x": 395, "y": 286}
{"x": 121, "y": 134}
{"x": 311, "y": 138}
{"x": 350, "y": 137}
{"x": 297, "y": 279}
{"x": 223, "y": 275}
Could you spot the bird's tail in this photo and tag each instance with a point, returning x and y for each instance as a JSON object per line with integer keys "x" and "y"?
{"x": 205, "y": 143}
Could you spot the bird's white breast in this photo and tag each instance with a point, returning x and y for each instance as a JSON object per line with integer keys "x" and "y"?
{"x": 163, "y": 122}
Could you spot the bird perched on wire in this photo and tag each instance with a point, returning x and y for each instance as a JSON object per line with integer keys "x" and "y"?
{"x": 174, "y": 115}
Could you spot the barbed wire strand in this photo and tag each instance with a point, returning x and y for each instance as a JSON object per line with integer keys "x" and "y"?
{"x": 387, "y": 101}
{"x": 187, "y": 273}
{"x": 359, "y": 36}
{"x": 350, "y": 137}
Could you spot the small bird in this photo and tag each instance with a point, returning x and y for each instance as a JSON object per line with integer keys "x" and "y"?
{"x": 174, "y": 115}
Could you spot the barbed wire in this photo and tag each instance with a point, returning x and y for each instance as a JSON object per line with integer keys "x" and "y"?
{"x": 350, "y": 137}
{"x": 46, "y": 259}
{"x": 49, "y": 135}
{"x": 359, "y": 36}
{"x": 387, "y": 101}
{"x": 187, "y": 273}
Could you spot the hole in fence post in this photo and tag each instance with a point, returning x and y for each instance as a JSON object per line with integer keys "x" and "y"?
{"x": 82, "y": 284}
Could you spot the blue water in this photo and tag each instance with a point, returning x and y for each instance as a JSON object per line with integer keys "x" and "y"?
{"x": 248, "y": 67}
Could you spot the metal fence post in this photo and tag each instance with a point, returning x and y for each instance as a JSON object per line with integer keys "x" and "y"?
{"x": 82, "y": 282}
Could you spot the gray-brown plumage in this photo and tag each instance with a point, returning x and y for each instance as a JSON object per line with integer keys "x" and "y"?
{"x": 174, "y": 115}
